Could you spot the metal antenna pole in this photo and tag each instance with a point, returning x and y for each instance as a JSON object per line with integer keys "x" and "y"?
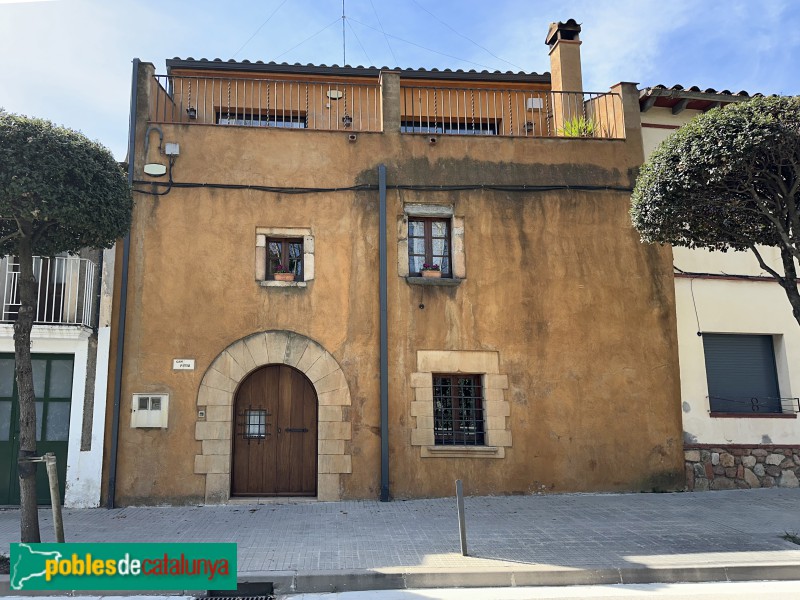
{"x": 344, "y": 48}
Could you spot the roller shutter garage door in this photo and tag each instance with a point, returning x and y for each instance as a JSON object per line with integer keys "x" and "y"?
{"x": 741, "y": 373}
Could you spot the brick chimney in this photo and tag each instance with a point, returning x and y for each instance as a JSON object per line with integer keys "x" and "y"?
{"x": 565, "y": 56}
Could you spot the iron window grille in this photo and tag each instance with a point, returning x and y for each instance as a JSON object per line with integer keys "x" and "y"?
{"x": 458, "y": 412}
{"x": 428, "y": 243}
{"x": 263, "y": 119}
{"x": 287, "y": 252}
{"x": 451, "y": 127}
{"x": 255, "y": 424}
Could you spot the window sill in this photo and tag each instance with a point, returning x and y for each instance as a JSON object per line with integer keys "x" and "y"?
{"x": 271, "y": 283}
{"x": 445, "y": 281}
{"x": 462, "y": 452}
{"x": 721, "y": 415}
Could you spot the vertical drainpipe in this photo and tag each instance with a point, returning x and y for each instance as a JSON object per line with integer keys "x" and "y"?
{"x": 384, "y": 342}
{"x": 123, "y": 301}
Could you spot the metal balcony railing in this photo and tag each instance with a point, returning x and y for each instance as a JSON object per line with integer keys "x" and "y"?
{"x": 318, "y": 105}
{"x": 511, "y": 112}
{"x": 763, "y": 404}
{"x": 65, "y": 290}
{"x": 355, "y": 107}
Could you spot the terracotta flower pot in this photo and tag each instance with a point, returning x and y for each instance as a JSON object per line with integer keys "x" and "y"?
{"x": 432, "y": 274}
{"x": 284, "y": 276}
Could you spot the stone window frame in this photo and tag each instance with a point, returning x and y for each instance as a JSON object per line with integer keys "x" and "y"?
{"x": 457, "y": 255}
{"x": 497, "y": 410}
{"x": 304, "y": 233}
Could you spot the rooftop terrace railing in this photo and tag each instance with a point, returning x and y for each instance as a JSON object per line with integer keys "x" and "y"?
{"x": 318, "y": 105}
{"x": 355, "y": 107}
{"x": 510, "y": 112}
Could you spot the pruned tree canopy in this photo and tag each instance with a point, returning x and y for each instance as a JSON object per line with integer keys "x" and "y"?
{"x": 69, "y": 189}
{"x": 59, "y": 192}
{"x": 729, "y": 179}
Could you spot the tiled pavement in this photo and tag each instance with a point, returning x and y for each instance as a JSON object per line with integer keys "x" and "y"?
{"x": 557, "y": 532}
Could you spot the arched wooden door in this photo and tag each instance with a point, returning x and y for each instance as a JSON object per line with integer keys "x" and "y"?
{"x": 275, "y": 434}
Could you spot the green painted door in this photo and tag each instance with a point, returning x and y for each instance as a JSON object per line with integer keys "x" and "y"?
{"x": 52, "y": 383}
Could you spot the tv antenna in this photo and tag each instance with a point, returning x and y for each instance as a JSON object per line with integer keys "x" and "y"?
{"x": 344, "y": 47}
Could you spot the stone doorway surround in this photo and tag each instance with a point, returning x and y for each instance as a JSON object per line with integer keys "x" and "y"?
{"x": 216, "y": 397}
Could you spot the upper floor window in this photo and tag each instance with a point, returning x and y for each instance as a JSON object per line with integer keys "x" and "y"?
{"x": 741, "y": 372}
{"x": 458, "y": 410}
{"x": 263, "y": 119}
{"x": 285, "y": 255}
{"x": 429, "y": 243}
{"x": 449, "y": 126}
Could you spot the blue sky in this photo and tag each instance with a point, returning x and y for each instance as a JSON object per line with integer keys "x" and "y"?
{"x": 70, "y": 60}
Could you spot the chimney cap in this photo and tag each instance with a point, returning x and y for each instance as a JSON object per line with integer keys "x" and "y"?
{"x": 568, "y": 30}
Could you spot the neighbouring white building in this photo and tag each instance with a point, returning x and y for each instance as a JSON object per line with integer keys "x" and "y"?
{"x": 739, "y": 345}
{"x": 70, "y": 350}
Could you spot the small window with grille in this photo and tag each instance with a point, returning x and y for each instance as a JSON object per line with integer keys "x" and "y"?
{"x": 285, "y": 255}
{"x": 458, "y": 418}
{"x": 255, "y": 424}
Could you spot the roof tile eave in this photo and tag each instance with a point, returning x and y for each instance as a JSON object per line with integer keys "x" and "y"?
{"x": 335, "y": 70}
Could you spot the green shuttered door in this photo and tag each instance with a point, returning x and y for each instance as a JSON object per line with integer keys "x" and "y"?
{"x": 52, "y": 382}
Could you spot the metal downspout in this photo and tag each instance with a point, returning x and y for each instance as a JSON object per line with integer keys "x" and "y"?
{"x": 123, "y": 303}
{"x": 384, "y": 342}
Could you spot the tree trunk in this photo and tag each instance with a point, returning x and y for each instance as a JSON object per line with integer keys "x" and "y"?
{"x": 789, "y": 283}
{"x": 29, "y": 513}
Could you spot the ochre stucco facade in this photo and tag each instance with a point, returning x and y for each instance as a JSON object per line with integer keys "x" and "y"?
{"x": 566, "y": 316}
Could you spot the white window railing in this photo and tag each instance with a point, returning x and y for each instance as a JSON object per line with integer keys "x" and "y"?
{"x": 64, "y": 290}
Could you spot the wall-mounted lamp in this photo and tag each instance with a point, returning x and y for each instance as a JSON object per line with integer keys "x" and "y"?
{"x": 155, "y": 169}
{"x": 192, "y": 112}
{"x": 528, "y": 127}
{"x": 347, "y": 120}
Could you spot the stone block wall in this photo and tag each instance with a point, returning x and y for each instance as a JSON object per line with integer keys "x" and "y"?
{"x": 738, "y": 466}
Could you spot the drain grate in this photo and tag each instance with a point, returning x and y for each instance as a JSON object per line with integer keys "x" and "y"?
{"x": 246, "y": 590}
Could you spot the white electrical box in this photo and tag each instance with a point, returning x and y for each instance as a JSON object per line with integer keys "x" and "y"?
{"x": 172, "y": 149}
{"x": 533, "y": 103}
{"x": 150, "y": 410}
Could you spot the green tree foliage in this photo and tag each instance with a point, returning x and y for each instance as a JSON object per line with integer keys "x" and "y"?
{"x": 729, "y": 179}
{"x": 59, "y": 192}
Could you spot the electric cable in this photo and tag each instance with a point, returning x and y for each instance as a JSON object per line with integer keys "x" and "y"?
{"x": 331, "y": 24}
{"x": 364, "y": 50}
{"x": 465, "y": 37}
{"x": 511, "y": 188}
{"x": 267, "y": 20}
{"x": 394, "y": 58}
{"x": 422, "y": 47}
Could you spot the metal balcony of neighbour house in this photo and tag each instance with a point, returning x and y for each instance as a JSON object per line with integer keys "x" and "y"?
{"x": 64, "y": 290}
{"x": 355, "y": 107}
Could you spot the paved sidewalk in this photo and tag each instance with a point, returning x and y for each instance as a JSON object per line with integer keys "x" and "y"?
{"x": 513, "y": 540}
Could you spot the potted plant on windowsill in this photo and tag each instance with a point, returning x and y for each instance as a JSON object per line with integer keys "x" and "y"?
{"x": 282, "y": 273}
{"x": 431, "y": 270}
